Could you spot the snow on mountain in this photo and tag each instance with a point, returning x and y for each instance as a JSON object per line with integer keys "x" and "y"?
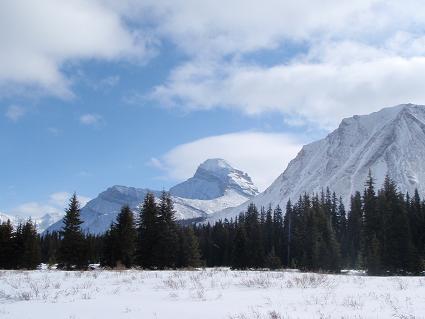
{"x": 47, "y": 220}
{"x": 391, "y": 141}
{"x": 212, "y": 179}
{"x": 215, "y": 186}
{"x": 4, "y": 218}
{"x": 42, "y": 223}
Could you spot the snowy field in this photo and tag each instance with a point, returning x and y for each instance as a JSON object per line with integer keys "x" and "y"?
{"x": 211, "y": 293}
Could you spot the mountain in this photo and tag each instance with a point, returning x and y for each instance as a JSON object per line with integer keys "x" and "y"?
{"x": 215, "y": 186}
{"x": 4, "y": 218}
{"x": 42, "y": 222}
{"x": 212, "y": 179}
{"x": 391, "y": 141}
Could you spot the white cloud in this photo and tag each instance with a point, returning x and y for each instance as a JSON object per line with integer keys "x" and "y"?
{"x": 361, "y": 56}
{"x": 91, "y": 119}
{"x": 262, "y": 155}
{"x": 55, "y": 204}
{"x": 38, "y": 37}
{"x": 333, "y": 82}
{"x": 214, "y": 27}
{"x": 15, "y": 112}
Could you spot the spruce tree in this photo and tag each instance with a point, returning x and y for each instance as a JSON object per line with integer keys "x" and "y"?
{"x": 354, "y": 232}
{"x": 30, "y": 254}
{"x": 240, "y": 248}
{"x": 147, "y": 232}
{"x": 255, "y": 253}
{"x": 109, "y": 249}
{"x": 73, "y": 249}
{"x": 125, "y": 236}
{"x": 165, "y": 254}
{"x": 189, "y": 255}
{"x": 373, "y": 223}
{"x": 120, "y": 240}
{"x": 6, "y": 246}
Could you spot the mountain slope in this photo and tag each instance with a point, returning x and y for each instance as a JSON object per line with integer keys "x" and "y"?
{"x": 42, "y": 222}
{"x": 391, "y": 141}
{"x": 212, "y": 179}
{"x": 215, "y": 186}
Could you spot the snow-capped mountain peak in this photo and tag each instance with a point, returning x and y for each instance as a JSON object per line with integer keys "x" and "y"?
{"x": 212, "y": 179}
{"x": 215, "y": 165}
{"x": 390, "y": 141}
{"x": 216, "y": 185}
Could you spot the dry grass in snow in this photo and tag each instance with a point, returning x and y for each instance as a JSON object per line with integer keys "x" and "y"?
{"x": 210, "y": 293}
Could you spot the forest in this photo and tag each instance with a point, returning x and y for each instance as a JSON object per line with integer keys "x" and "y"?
{"x": 382, "y": 232}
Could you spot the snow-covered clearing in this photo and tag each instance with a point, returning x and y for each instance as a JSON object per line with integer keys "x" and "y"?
{"x": 211, "y": 293}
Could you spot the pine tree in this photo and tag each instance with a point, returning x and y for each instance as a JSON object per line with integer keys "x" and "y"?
{"x": 396, "y": 243}
{"x": 255, "y": 253}
{"x": 417, "y": 222}
{"x": 354, "y": 232}
{"x": 6, "y": 246}
{"x": 73, "y": 249}
{"x": 268, "y": 231}
{"x": 120, "y": 240}
{"x": 126, "y": 236}
{"x": 288, "y": 231}
{"x": 278, "y": 232}
{"x": 240, "y": 248}
{"x": 109, "y": 249}
{"x": 373, "y": 226}
{"x": 165, "y": 254}
{"x": 147, "y": 232}
{"x": 30, "y": 254}
{"x": 272, "y": 261}
{"x": 374, "y": 257}
{"x": 49, "y": 245}
{"x": 189, "y": 255}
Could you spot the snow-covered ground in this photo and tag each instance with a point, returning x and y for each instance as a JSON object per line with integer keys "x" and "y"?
{"x": 211, "y": 293}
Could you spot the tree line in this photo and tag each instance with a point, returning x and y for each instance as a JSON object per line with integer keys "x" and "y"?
{"x": 382, "y": 232}
{"x": 152, "y": 240}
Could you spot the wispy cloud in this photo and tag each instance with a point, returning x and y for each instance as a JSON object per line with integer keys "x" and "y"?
{"x": 55, "y": 204}
{"x": 92, "y": 119}
{"x": 15, "y": 112}
{"x": 262, "y": 155}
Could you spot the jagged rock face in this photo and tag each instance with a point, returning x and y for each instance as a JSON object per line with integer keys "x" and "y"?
{"x": 391, "y": 141}
{"x": 212, "y": 179}
{"x": 215, "y": 186}
{"x": 42, "y": 223}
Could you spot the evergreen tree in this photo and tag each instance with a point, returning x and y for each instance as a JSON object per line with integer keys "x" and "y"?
{"x": 417, "y": 222}
{"x": 396, "y": 241}
{"x": 373, "y": 227}
{"x": 240, "y": 248}
{"x": 73, "y": 249}
{"x": 30, "y": 253}
{"x": 49, "y": 246}
{"x": 147, "y": 232}
{"x": 288, "y": 231}
{"x": 189, "y": 255}
{"x": 7, "y": 255}
{"x": 354, "y": 232}
{"x": 165, "y": 254}
{"x": 120, "y": 240}
{"x": 374, "y": 266}
{"x": 268, "y": 231}
{"x": 255, "y": 253}
{"x": 109, "y": 251}
{"x": 126, "y": 236}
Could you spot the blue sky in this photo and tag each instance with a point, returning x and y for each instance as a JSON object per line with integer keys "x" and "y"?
{"x": 98, "y": 93}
